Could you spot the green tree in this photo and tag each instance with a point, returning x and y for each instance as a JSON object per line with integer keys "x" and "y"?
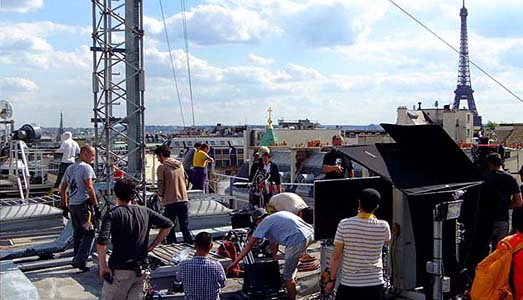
{"x": 491, "y": 125}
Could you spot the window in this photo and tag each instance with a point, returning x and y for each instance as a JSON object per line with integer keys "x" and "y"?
{"x": 468, "y": 132}
{"x": 213, "y": 143}
{"x": 222, "y": 143}
{"x": 468, "y": 118}
{"x": 217, "y": 151}
{"x": 189, "y": 143}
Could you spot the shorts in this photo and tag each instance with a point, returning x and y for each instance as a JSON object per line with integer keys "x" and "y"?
{"x": 292, "y": 258}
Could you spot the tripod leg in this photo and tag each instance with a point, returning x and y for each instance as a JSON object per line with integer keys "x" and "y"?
{"x": 249, "y": 258}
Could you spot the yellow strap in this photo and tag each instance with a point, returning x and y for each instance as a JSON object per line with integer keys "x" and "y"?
{"x": 364, "y": 215}
{"x": 506, "y": 242}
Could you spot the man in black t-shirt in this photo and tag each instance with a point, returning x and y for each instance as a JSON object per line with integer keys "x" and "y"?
{"x": 129, "y": 226}
{"x": 503, "y": 192}
{"x": 335, "y": 164}
{"x": 518, "y": 211}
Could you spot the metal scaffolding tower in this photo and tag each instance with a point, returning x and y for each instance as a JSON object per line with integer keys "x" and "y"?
{"x": 117, "y": 79}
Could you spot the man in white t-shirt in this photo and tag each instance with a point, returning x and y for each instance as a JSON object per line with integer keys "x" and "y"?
{"x": 359, "y": 241}
{"x": 69, "y": 149}
{"x": 292, "y": 203}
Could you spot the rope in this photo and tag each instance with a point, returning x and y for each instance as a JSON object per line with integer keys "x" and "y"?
{"x": 172, "y": 64}
{"x": 185, "y": 35}
{"x": 456, "y": 50}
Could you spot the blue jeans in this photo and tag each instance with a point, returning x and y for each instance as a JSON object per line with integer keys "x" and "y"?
{"x": 82, "y": 237}
{"x": 498, "y": 232}
{"x": 172, "y": 212}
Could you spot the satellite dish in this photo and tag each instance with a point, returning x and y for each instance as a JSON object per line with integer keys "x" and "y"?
{"x": 6, "y": 110}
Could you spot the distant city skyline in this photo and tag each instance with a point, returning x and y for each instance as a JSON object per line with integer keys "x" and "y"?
{"x": 331, "y": 61}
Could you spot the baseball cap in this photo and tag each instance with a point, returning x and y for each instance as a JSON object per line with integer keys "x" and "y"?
{"x": 264, "y": 150}
{"x": 258, "y": 213}
{"x": 270, "y": 209}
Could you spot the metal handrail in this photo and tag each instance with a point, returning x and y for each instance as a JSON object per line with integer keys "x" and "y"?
{"x": 247, "y": 179}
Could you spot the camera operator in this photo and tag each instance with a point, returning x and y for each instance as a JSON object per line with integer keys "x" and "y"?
{"x": 335, "y": 164}
{"x": 265, "y": 178}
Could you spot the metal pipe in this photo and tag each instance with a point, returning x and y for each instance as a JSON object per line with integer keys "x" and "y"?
{"x": 108, "y": 93}
{"x": 437, "y": 256}
{"x": 25, "y": 170}
{"x": 247, "y": 179}
{"x": 142, "y": 103}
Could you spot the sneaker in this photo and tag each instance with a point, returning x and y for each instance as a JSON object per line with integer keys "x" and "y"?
{"x": 83, "y": 267}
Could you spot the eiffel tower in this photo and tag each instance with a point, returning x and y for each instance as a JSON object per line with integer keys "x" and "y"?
{"x": 464, "y": 88}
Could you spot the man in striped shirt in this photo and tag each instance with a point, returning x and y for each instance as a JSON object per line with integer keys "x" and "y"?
{"x": 359, "y": 241}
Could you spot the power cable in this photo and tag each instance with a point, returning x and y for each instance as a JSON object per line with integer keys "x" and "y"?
{"x": 456, "y": 50}
{"x": 172, "y": 64}
{"x": 186, "y": 38}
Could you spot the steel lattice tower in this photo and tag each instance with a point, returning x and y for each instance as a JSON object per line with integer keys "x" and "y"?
{"x": 464, "y": 88}
{"x": 118, "y": 78}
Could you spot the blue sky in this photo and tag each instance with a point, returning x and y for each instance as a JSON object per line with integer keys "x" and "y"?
{"x": 334, "y": 61}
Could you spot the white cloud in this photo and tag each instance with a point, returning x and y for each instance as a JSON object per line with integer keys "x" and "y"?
{"x": 42, "y": 28}
{"x": 21, "y": 6}
{"x": 27, "y": 45}
{"x": 211, "y": 24}
{"x": 260, "y": 60}
{"x": 152, "y": 25}
{"x": 314, "y": 22}
{"x": 328, "y": 23}
{"x": 298, "y": 72}
{"x": 17, "y": 85}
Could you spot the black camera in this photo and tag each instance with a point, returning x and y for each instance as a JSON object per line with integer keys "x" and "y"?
{"x": 242, "y": 219}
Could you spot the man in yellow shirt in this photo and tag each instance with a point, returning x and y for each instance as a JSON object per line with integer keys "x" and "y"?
{"x": 200, "y": 160}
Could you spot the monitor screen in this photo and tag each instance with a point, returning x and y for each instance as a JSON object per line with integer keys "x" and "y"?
{"x": 335, "y": 200}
